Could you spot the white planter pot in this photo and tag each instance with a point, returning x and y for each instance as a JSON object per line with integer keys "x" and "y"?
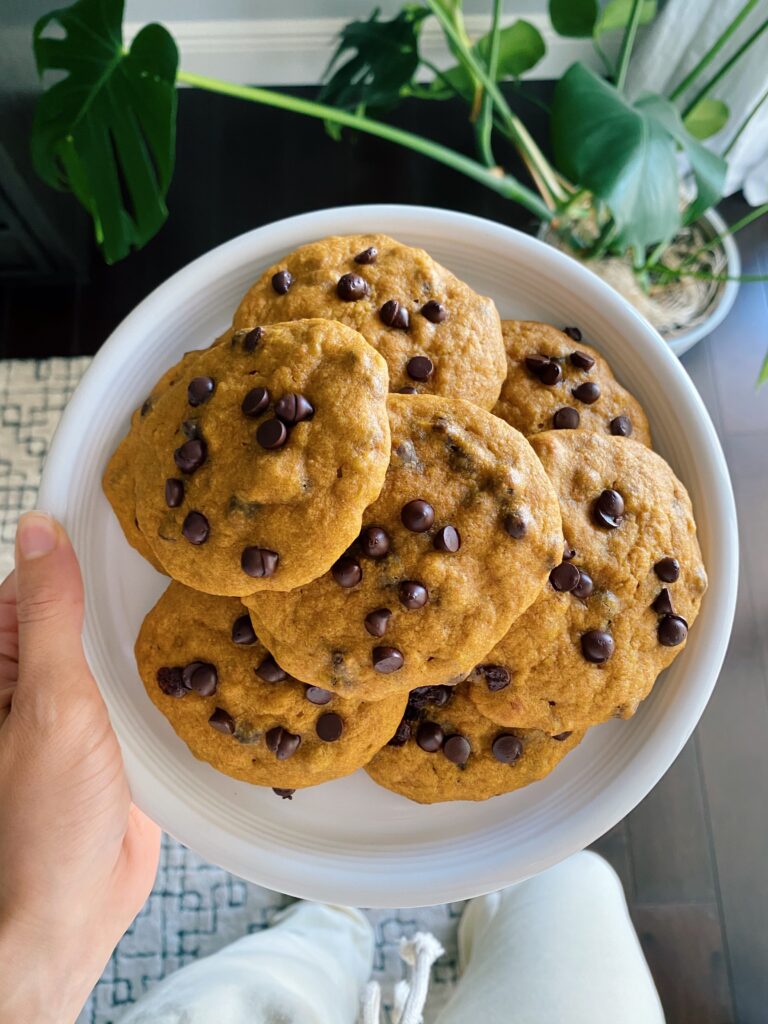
{"x": 712, "y": 224}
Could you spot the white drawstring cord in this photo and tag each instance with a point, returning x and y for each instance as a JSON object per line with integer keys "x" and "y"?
{"x": 419, "y": 953}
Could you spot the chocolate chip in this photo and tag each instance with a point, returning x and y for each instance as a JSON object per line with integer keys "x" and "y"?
{"x": 608, "y": 510}
{"x": 203, "y": 679}
{"x": 191, "y": 430}
{"x": 317, "y": 695}
{"x": 429, "y": 737}
{"x": 374, "y": 542}
{"x": 195, "y": 528}
{"x": 376, "y": 622}
{"x": 419, "y": 697}
{"x": 597, "y": 646}
{"x": 174, "y": 492}
{"x": 621, "y": 426}
{"x": 582, "y": 360}
{"x": 282, "y": 281}
{"x": 329, "y": 727}
{"x": 668, "y": 570}
{"x": 588, "y": 392}
{"x": 281, "y": 743}
{"x": 259, "y": 562}
{"x": 200, "y": 389}
{"x": 673, "y": 629}
{"x": 402, "y": 735}
{"x": 352, "y": 287}
{"x": 566, "y": 418}
{"x": 562, "y": 736}
{"x": 434, "y": 311}
{"x": 564, "y": 577}
{"x": 255, "y": 402}
{"x": 536, "y": 363}
{"x": 447, "y": 538}
{"x": 294, "y": 408}
{"x": 496, "y": 676}
{"x": 146, "y": 406}
{"x": 457, "y": 749}
{"x": 272, "y": 434}
{"x": 242, "y": 631}
{"x": 585, "y": 586}
{"x": 387, "y": 659}
{"x": 507, "y": 748}
{"x": 171, "y": 682}
{"x": 515, "y": 525}
{"x": 417, "y": 515}
{"x": 412, "y": 594}
{"x": 270, "y": 671}
{"x": 663, "y": 603}
{"x": 186, "y": 672}
{"x": 222, "y": 721}
{"x": 573, "y": 333}
{"x": 346, "y": 571}
{"x": 392, "y": 314}
{"x": 568, "y": 551}
{"x": 420, "y": 368}
{"x": 407, "y": 391}
{"x": 190, "y": 456}
{"x": 285, "y": 794}
{"x": 252, "y": 339}
{"x": 367, "y": 255}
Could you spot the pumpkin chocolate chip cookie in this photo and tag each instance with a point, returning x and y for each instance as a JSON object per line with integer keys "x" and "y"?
{"x": 556, "y": 382}
{"x": 616, "y": 611}
{"x": 445, "y": 750}
{"x": 437, "y": 335}
{"x": 254, "y": 471}
{"x": 460, "y": 541}
{"x": 236, "y": 708}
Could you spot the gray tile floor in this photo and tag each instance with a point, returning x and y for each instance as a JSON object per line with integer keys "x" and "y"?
{"x": 694, "y": 855}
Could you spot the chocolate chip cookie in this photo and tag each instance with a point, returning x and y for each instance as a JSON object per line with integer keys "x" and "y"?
{"x": 459, "y": 543}
{"x": 236, "y": 708}
{"x": 437, "y": 335}
{"x": 616, "y": 611}
{"x": 445, "y": 750}
{"x": 254, "y": 470}
{"x": 556, "y": 382}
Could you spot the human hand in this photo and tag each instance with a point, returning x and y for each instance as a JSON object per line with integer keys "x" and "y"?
{"x": 77, "y": 859}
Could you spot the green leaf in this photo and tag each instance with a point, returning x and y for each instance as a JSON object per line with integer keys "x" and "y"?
{"x": 574, "y": 18}
{"x": 521, "y": 47}
{"x": 621, "y": 153}
{"x": 106, "y": 130}
{"x": 706, "y": 118}
{"x": 615, "y": 15}
{"x": 384, "y": 58}
{"x": 708, "y": 168}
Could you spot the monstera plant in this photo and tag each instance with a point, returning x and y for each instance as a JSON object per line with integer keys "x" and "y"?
{"x": 627, "y": 174}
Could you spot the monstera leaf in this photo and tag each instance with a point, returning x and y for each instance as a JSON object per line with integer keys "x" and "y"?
{"x": 106, "y": 130}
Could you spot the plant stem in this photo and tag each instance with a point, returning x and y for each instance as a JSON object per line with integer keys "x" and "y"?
{"x": 505, "y": 185}
{"x": 627, "y": 43}
{"x": 726, "y": 67}
{"x": 485, "y": 121}
{"x": 763, "y": 375}
{"x": 759, "y": 211}
{"x": 534, "y": 159}
{"x": 608, "y": 67}
{"x": 713, "y": 51}
{"x": 737, "y": 134}
{"x": 703, "y": 275}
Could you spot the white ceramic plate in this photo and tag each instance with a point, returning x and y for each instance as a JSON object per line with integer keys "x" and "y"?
{"x": 349, "y": 841}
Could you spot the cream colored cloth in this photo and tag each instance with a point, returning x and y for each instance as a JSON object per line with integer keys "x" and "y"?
{"x": 309, "y": 968}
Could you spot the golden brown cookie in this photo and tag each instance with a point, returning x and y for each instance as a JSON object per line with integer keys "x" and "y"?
{"x": 436, "y": 334}
{"x": 445, "y": 750}
{"x": 235, "y": 708}
{"x": 253, "y": 473}
{"x": 617, "y": 610}
{"x": 459, "y": 543}
{"x": 555, "y": 381}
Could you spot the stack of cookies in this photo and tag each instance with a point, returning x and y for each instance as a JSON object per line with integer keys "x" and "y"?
{"x": 401, "y": 534}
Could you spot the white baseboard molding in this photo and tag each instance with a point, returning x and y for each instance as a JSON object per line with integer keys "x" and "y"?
{"x": 296, "y": 51}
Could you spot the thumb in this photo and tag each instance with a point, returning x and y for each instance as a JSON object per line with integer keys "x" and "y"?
{"x": 49, "y": 606}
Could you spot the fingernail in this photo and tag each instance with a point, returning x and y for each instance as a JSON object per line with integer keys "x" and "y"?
{"x": 37, "y": 535}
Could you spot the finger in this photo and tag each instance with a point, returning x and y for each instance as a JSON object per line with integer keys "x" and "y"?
{"x": 49, "y": 609}
{"x": 9, "y": 635}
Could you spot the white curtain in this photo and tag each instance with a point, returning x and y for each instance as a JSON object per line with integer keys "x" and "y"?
{"x": 678, "y": 38}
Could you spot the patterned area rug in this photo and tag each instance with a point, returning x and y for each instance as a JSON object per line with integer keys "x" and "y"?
{"x": 195, "y": 908}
